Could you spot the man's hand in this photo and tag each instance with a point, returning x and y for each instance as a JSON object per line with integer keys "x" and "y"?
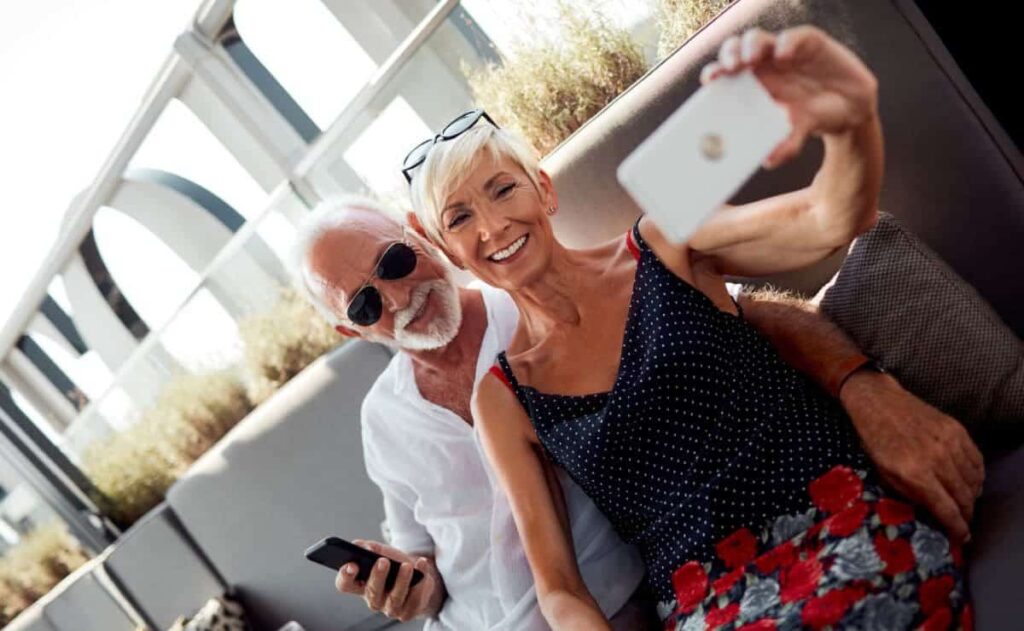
{"x": 403, "y": 602}
{"x": 919, "y": 451}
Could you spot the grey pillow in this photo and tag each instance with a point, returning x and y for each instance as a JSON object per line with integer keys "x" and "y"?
{"x": 906, "y": 308}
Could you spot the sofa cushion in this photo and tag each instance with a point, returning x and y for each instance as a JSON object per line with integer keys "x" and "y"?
{"x": 287, "y": 475}
{"x": 902, "y": 305}
{"x": 158, "y": 570}
{"x": 85, "y": 600}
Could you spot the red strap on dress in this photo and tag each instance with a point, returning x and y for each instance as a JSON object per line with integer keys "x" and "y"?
{"x": 500, "y": 374}
{"x": 631, "y": 244}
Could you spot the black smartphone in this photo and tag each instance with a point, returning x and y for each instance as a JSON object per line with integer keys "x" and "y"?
{"x": 334, "y": 553}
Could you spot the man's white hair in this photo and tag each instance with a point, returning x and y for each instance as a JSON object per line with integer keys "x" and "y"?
{"x": 449, "y": 162}
{"x": 328, "y": 215}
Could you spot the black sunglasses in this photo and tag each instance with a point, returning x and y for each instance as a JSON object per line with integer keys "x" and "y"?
{"x": 366, "y": 306}
{"x": 462, "y": 124}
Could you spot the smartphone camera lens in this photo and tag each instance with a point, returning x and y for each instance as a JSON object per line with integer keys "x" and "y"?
{"x": 712, "y": 146}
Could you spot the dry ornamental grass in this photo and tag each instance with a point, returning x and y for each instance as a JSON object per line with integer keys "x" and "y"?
{"x": 134, "y": 468}
{"x": 34, "y": 566}
{"x": 280, "y": 343}
{"x": 679, "y": 19}
{"x": 550, "y": 87}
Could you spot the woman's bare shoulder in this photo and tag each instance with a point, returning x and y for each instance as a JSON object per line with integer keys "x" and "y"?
{"x": 498, "y": 412}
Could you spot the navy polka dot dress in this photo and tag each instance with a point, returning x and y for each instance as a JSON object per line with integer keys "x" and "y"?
{"x": 705, "y": 430}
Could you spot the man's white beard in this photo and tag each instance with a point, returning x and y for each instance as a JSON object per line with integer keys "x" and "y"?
{"x": 442, "y": 328}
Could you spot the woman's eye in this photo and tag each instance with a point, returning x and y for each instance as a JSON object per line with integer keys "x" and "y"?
{"x": 505, "y": 190}
{"x": 457, "y": 220}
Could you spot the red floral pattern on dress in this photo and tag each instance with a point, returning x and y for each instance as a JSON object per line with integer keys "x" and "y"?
{"x": 725, "y": 582}
{"x": 836, "y": 490}
{"x": 897, "y": 554}
{"x": 782, "y": 555}
{"x": 967, "y": 618}
{"x": 690, "y": 582}
{"x": 934, "y": 593}
{"x": 737, "y": 549}
{"x": 847, "y": 521}
{"x": 824, "y": 575}
{"x": 941, "y": 620}
{"x": 814, "y": 531}
{"x": 799, "y": 580}
{"x": 823, "y": 611}
{"x": 893, "y": 512}
{"x": 721, "y": 615}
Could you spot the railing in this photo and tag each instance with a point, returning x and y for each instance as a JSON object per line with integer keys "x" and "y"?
{"x": 248, "y": 111}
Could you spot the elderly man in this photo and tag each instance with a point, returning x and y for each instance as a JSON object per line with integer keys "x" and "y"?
{"x": 376, "y": 279}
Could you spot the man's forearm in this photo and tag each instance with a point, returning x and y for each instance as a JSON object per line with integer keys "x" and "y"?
{"x": 803, "y": 337}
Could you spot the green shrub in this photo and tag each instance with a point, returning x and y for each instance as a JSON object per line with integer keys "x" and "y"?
{"x": 283, "y": 341}
{"x": 679, "y": 19}
{"x": 550, "y": 86}
{"x": 34, "y": 565}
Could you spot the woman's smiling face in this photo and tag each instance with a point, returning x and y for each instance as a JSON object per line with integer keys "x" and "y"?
{"x": 495, "y": 223}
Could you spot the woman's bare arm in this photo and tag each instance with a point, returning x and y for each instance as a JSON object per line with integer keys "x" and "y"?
{"x": 537, "y": 506}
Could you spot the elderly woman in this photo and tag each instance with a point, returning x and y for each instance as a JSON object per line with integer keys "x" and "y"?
{"x": 745, "y": 487}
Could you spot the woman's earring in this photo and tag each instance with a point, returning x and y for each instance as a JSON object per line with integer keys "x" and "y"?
{"x": 552, "y": 210}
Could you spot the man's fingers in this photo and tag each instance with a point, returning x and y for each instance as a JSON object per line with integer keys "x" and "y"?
{"x": 375, "y": 594}
{"x": 346, "y": 581}
{"x": 974, "y": 458}
{"x": 955, "y": 476}
{"x": 937, "y": 499}
{"x": 395, "y": 603}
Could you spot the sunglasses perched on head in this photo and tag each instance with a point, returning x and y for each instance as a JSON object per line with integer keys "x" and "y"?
{"x": 461, "y": 124}
{"x": 366, "y": 306}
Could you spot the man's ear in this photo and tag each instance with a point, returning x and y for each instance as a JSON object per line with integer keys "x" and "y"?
{"x": 417, "y": 227}
{"x": 548, "y": 192}
{"x": 347, "y": 332}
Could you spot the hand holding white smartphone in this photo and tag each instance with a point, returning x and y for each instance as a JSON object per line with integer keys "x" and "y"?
{"x": 703, "y": 153}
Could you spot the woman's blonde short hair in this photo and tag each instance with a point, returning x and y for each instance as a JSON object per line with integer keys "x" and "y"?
{"x": 449, "y": 162}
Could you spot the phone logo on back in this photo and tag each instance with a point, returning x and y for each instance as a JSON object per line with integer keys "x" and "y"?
{"x": 712, "y": 146}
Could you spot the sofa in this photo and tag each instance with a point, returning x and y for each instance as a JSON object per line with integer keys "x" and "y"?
{"x": 293, "y": 472}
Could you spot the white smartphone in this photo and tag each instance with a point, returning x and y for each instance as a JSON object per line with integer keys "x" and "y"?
{"x": 703, "y": 153}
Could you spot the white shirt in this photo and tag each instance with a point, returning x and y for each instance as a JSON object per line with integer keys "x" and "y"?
{"x": 441, "y": 498}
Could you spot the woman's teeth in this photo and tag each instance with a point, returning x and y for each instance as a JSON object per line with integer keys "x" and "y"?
{"x": 501, "y": 255}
